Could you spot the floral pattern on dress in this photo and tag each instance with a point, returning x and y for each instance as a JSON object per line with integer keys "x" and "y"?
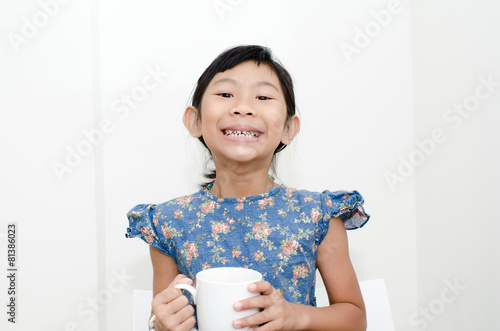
{"x": 277, "y": 233}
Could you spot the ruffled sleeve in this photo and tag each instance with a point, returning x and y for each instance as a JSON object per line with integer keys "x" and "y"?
{"x": 346, "y": 204}
{"x": 143, "y": 224}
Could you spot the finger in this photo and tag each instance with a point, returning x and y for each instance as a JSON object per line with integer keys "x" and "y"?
{"x": 175, "y": 306}
{"x": 265, "y": 300}
{"x": 180, "y": 317}
{"x": 170, "y": 293}
{"x": 252, "y": 320}
{"x": 265, "y": 327}
{"x": 261, "y": 287}
{"x": 180, "y": 278}
{"x": 263, "y": 321}
{"x": 259, "y": 301}
{"x": 189, "y": 323}
{"x": 166, "y": 310}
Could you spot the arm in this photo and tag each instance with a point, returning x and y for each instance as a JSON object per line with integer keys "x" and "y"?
{"x": 170, "y": 306}
{"x": 164, "y": 270}
{"x": 346, "y": 311}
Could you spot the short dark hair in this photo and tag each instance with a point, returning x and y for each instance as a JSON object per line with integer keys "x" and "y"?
{"x": 231, "y": 58}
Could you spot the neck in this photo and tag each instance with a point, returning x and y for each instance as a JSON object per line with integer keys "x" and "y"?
{"x": 239, "y": 184}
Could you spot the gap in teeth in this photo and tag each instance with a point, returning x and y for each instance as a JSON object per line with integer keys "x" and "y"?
{"x": 237, "y": 133}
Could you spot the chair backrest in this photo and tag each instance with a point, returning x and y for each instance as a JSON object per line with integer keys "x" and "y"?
{"x": 142, "y": 309}
{"x": 378, "y": 311}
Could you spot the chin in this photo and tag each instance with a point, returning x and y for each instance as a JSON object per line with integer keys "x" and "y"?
{"x": 243, "y": 157}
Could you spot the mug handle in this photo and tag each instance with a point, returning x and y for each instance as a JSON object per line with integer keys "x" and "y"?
{"x": 188, "y": 288}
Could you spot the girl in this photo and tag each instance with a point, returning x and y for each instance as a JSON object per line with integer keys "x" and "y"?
{"x": 243, "y": 111}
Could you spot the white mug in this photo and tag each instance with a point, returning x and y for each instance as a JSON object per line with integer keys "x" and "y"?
{"x": 217, "y": 289}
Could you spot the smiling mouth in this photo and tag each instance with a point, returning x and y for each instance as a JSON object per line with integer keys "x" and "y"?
{"x": 245, "y": 134}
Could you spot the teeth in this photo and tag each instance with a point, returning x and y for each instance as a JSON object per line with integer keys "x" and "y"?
{"x": 237, "y": 133}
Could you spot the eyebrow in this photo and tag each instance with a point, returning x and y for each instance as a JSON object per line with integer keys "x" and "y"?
{"x": 234, "y": 82}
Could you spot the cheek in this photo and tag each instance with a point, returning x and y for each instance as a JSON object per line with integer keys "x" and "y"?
{"x": 277, "y": 123}
{"x": 208, "y": 119}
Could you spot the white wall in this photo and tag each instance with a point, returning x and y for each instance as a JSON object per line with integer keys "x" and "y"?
{"x": 457, "y": 187}
{"x": 46, "y": 100}
{"x": 359, "y": 112}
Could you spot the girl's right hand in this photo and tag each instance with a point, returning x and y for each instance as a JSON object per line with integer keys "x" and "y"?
{"x": 172, "y": 309}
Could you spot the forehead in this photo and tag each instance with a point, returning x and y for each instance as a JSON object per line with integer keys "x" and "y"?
{"x": 248, "y": 72}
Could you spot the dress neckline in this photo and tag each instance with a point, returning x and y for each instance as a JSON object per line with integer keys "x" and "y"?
{"x": 273, "y": 191}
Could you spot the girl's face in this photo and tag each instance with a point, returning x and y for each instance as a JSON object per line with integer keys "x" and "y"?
{"x": 243, "y": 115}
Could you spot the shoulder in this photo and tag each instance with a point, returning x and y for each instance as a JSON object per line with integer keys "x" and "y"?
{"x": 339, "y": 198}
{"x": 153, "y": 210}
{"x": 348, "y": 205}
{"x": 183, "y": 202}
{"x": 154, "y": 223}
{"x": 343, "y": 197}
{"x": 301, "y": 195}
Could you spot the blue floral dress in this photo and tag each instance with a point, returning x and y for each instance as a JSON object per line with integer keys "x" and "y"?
{"x": 276, "y": 233}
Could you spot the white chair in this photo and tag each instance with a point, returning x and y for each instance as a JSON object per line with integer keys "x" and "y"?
{"x": 142, "y": 309}
{"x": 378, "y": 311}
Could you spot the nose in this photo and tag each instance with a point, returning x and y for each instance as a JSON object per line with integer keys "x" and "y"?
{"x": 243, "y": 112}
{"x": 243, "y": 108}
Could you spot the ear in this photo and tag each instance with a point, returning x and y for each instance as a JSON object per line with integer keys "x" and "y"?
{"x": 292, "y": 128}
{"x": 192, "y": 122}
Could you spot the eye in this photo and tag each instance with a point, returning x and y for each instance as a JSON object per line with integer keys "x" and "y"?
{"x": 225, "y": 95}
{"x": 263, "y": 98}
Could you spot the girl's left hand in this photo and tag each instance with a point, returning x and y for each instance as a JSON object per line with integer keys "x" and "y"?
{"x": 277, "y": 313}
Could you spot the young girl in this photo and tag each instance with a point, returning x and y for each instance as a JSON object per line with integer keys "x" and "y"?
{"x": 243, "y": 111}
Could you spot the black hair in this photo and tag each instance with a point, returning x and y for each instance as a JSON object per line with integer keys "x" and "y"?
{"x": 228, "y": 60}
